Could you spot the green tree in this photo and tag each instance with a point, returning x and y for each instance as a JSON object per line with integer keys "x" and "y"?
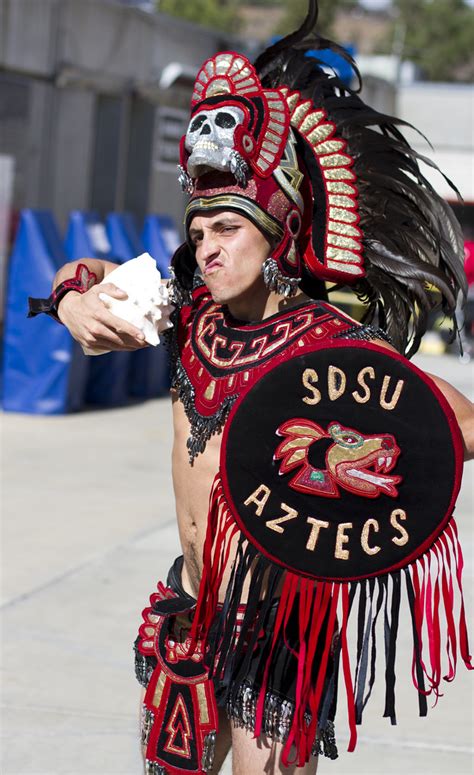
{"x": 296, "y": 11}
{"x": 220, "y": 14}
{"x": 438, "y": 36}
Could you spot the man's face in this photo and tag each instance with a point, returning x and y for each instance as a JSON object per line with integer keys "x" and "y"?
{"x": 230, "y": 252}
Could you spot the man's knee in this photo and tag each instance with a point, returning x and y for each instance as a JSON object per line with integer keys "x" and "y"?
{"x": 262, "y": 756}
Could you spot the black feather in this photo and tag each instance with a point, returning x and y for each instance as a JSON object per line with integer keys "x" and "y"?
{"x": 413, "y": 245}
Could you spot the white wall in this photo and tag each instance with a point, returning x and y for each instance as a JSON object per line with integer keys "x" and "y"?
{"x": 445, "y": 114}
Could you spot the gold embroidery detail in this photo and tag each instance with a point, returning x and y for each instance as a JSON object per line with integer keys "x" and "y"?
{"x": 362, "y": 399}
{"x": 300, "y": 112}
{"x": 340, "y": 553}
{"x": 337, "y": 214}
{"x": 291, "y": 257}
{"x": 343, "y": 242}
{"x": 203, "y": 709}
{"x": 334, "y": 160}
{"x": 217, "y": 87}
{"x": 396, "y": 393}
{"x": 341, "y": 201}
{"x": 337, "y": 187}
{"x": 273, "y": 138}
{"x": 364, "y": 539}
{"x": 394, "y": 517}
{"x": 343, "y": 228}
{"x": 236, "y": 202}
{"x": 277, "y": 115}
{"x": 259, "y": 497}
{"x": 160, "y": 685}
{"x": 270, "y": 146}
{"x": 171, "y": 728}
{"x": 274, "y": 524}
{"x": 337, "y": 254}
{"x": 223, "y": 64}
{"x": 275, "y": 127}
{"x": 336, "y": 383}
{"x": 340, "y": 173}
{"x": 309, "y": 377}
{"x": 245, "y": 84}
{"x": 306, "y": 434}
{"x": 210, "y": 390}
{"x": 331, "y": 146}
{"x": 320, "y": 133}
{"x": 317, "y": 524}
{"x": 292, "y": 100}
{"x": 311, "y": 121}
{"x": 349, "y": 268}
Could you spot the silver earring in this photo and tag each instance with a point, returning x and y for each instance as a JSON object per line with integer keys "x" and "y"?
{"x": 185, "y": 180}
{"x": 276, "y": 281}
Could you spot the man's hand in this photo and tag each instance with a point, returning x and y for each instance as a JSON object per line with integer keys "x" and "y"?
{"x": 93, "y": 325}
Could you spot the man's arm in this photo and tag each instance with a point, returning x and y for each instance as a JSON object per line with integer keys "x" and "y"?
{"x": 461, "y": 406}
{"x": 87, "y": 317}
{"x": 464, "y": 411}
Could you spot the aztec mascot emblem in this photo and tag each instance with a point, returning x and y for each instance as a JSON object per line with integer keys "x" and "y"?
{"x": 341, "y": 477}
{"x": 348, "y": 460}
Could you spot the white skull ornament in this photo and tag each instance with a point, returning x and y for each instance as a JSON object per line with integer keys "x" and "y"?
{"x": 210, "y": 139}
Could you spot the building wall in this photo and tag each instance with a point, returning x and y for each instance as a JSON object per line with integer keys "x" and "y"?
{"x": 444, "y": 113}
{"x": 62, "y": 61}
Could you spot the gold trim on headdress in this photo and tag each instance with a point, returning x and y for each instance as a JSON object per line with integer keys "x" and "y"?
{"x": 245, "y": 206}
{"x": 343, "y": 239}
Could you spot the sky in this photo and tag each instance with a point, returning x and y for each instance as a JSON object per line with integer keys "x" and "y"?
{"x": 374, "y": 5}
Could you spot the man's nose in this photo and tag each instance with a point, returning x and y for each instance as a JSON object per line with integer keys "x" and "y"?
{"x": 206, "y": 130}
{"x": 209, "y": 245}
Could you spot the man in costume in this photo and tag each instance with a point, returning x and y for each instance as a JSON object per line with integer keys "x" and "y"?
{"x": 294, "y": 183}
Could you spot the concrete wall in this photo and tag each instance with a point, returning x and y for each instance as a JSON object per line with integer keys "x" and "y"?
{"x": 444, "y": 113}
{"x": 65, "y": 54}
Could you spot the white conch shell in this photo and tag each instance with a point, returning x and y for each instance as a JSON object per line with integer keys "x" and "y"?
{"x": 147, "y": 306}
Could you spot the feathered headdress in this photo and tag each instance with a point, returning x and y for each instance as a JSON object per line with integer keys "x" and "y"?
{"x": 331, "y": 181}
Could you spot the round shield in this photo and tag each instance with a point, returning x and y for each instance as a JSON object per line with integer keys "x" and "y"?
{"x": 343, "y": 462}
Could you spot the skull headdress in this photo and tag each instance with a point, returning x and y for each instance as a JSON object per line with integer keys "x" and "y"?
{"x": 331, "y": 182}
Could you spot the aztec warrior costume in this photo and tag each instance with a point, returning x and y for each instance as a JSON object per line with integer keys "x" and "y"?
{"x": 339, "y": 194}
{"x": 331, "y": 498}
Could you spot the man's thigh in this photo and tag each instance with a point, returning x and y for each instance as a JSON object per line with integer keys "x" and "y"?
{"x": 262, "y": 756}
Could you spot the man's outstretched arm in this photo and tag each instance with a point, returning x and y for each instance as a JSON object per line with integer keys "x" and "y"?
{"x": 87, "y": 317}
{"x": 461, "y": 406}
{"x": 464, "y": 411}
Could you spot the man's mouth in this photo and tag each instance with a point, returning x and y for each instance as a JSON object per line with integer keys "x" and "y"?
{"x": 212, "y": 266}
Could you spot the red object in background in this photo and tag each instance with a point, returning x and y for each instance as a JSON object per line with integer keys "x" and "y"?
{"x": 469, "y": 261}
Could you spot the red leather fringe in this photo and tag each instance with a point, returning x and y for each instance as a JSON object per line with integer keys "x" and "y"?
{"x": 324, "y": 608}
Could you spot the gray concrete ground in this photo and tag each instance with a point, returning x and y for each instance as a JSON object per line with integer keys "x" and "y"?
{"x": 88, "y": 528}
